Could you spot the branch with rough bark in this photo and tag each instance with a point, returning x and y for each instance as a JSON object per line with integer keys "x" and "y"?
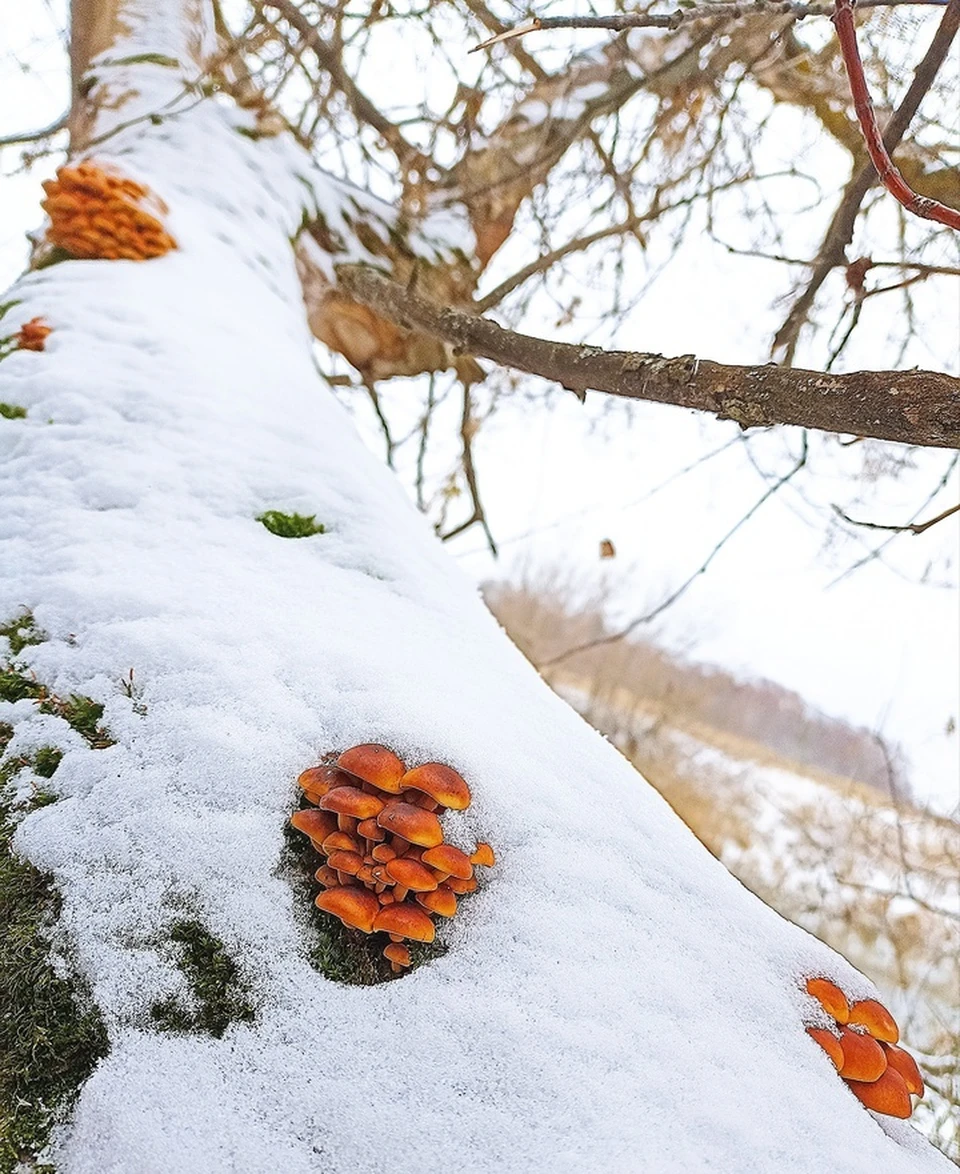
{"x": 910, "y": 407}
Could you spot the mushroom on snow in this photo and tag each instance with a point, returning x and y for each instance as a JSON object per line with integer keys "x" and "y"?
{"x": 863, "y": 1047}
{"x": 378, "y": 826}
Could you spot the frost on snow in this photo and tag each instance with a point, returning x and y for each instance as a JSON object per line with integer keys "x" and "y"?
{"x": 611, "y": 999}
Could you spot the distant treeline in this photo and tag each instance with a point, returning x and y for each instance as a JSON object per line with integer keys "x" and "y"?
{"x": 543, "y": 622}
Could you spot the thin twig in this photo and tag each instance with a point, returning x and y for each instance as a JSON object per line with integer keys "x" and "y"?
{"x": 33, "y": 136}
{"x": 909, "y": 528}
{"x": 672, "y": 598}
{"x": 467, "y": 432}
{"x": 673, "y": 20}
{"x": 889, "y": 175}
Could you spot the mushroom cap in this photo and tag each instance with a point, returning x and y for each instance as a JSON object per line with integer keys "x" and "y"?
{"x": 374, "y": 764}
{"x": 888, "y": 1094}
{"x": 440, "y": 782}
{"x": 440, "y": 901}
{"x": 876, "y": 1019}
{"x": 411, "y": 874}
{"x": 863, "y": 1058}
{"x": 411, "y": 823}
{"x": 340, "y": 842}
{"x": 327, "y": 876}
{"x": 483, "y": 855}
{"x": 901, "y": 1061}
{"x": 456, "y": 885}
{"x": 830, "y": 997}
{"x": 397, "y": 952}
{"x": 383, "y": 852}
{"x": 353, "y": 802}
{"x": 447, "y": 858}
{"x": 316, "y": 781}
{"x": 355, "y": 907}
{"x": 371, "y": 830}
{"x": 830, "y": 1044}
{"x": 407, "y": 921}
{"x": 316, "y": 824}
{"x": 350, "y": 862}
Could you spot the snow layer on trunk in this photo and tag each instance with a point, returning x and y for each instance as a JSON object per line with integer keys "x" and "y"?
{"x": 612, "y": 999}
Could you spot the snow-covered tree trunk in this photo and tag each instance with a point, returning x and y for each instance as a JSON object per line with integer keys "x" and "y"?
{"x": 610, "y": 999}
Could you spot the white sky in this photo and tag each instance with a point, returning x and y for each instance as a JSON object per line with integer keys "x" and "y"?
{"x": 875, "y": 648}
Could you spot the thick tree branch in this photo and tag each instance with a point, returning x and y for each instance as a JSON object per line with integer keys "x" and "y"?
{"x": 910, "y": 407}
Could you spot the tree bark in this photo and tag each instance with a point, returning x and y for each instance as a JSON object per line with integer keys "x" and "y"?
{"x": 910, "y": 407}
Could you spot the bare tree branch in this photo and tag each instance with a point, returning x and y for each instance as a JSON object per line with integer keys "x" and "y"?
{"x": 909, "y": 528}
{"x": 910, "y": 407}
{"x": 623, "y": 21}
{"x": 890, "y": 177}
{"x": 840, "y": 231}
{"x": 33, "y": 136}
{"x": 363, "y": 109}
{"x": 671, "y": 599}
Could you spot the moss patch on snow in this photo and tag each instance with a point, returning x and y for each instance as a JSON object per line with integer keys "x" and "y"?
{"x": 219, "y": 995}
{"x": 22, "y": 630}
{"x": 291, "y": 525}
{"x": 51, "y": 1037}
{"x": 12, "y": 411}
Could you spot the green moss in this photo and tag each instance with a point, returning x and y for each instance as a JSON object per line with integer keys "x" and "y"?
{"x": 342, "y": 954}
{"x": 290, "y": 525}
{"x": 81, "y": 713}
{"x": 21, "y": 631}
{"x": 46, "y": 760}
{"x": 219, "y": 994}
{"x": 12, "y": 412}
{"x": 6, "y": 733}
{"x": 50, "y": 1036}
{"x": 15, "y": 686}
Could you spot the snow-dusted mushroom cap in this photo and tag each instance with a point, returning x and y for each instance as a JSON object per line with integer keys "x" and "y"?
{"x": 374, "y": 764}
{"x": 354, "y": 906}
{"x": 449, "y": 859}
{"x": 353, "y": 802}
{"x": 441, "y": 901}
{"x": 411, "y": 823}
{"x": 887, "y": 1094}
{"x": 411, "y": 874}
{"x": 830, "y": 997}
{"x": 405, "y": 921}
{"x": 442, "y": 783}
{"x": 876, "y": 1019}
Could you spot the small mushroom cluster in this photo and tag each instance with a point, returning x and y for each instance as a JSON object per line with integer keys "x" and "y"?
{"x": 32, "y": 335}
{"x": 387, "y": 867}
{"x": 863, "y": 1046}
{"x": 100, "y": 215}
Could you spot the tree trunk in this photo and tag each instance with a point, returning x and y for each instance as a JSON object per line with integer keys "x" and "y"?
{"x": 611, "y": 998}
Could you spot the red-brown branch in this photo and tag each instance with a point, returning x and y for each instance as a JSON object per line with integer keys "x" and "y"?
{"x": 890, "y": 177}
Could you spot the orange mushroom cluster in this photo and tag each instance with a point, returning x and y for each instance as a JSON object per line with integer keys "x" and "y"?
{"x": 862, "y": 1044}
{"x": 32, "y": 335}
{"x": 100, "y": 215}
{"x": 387, "y": 867}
